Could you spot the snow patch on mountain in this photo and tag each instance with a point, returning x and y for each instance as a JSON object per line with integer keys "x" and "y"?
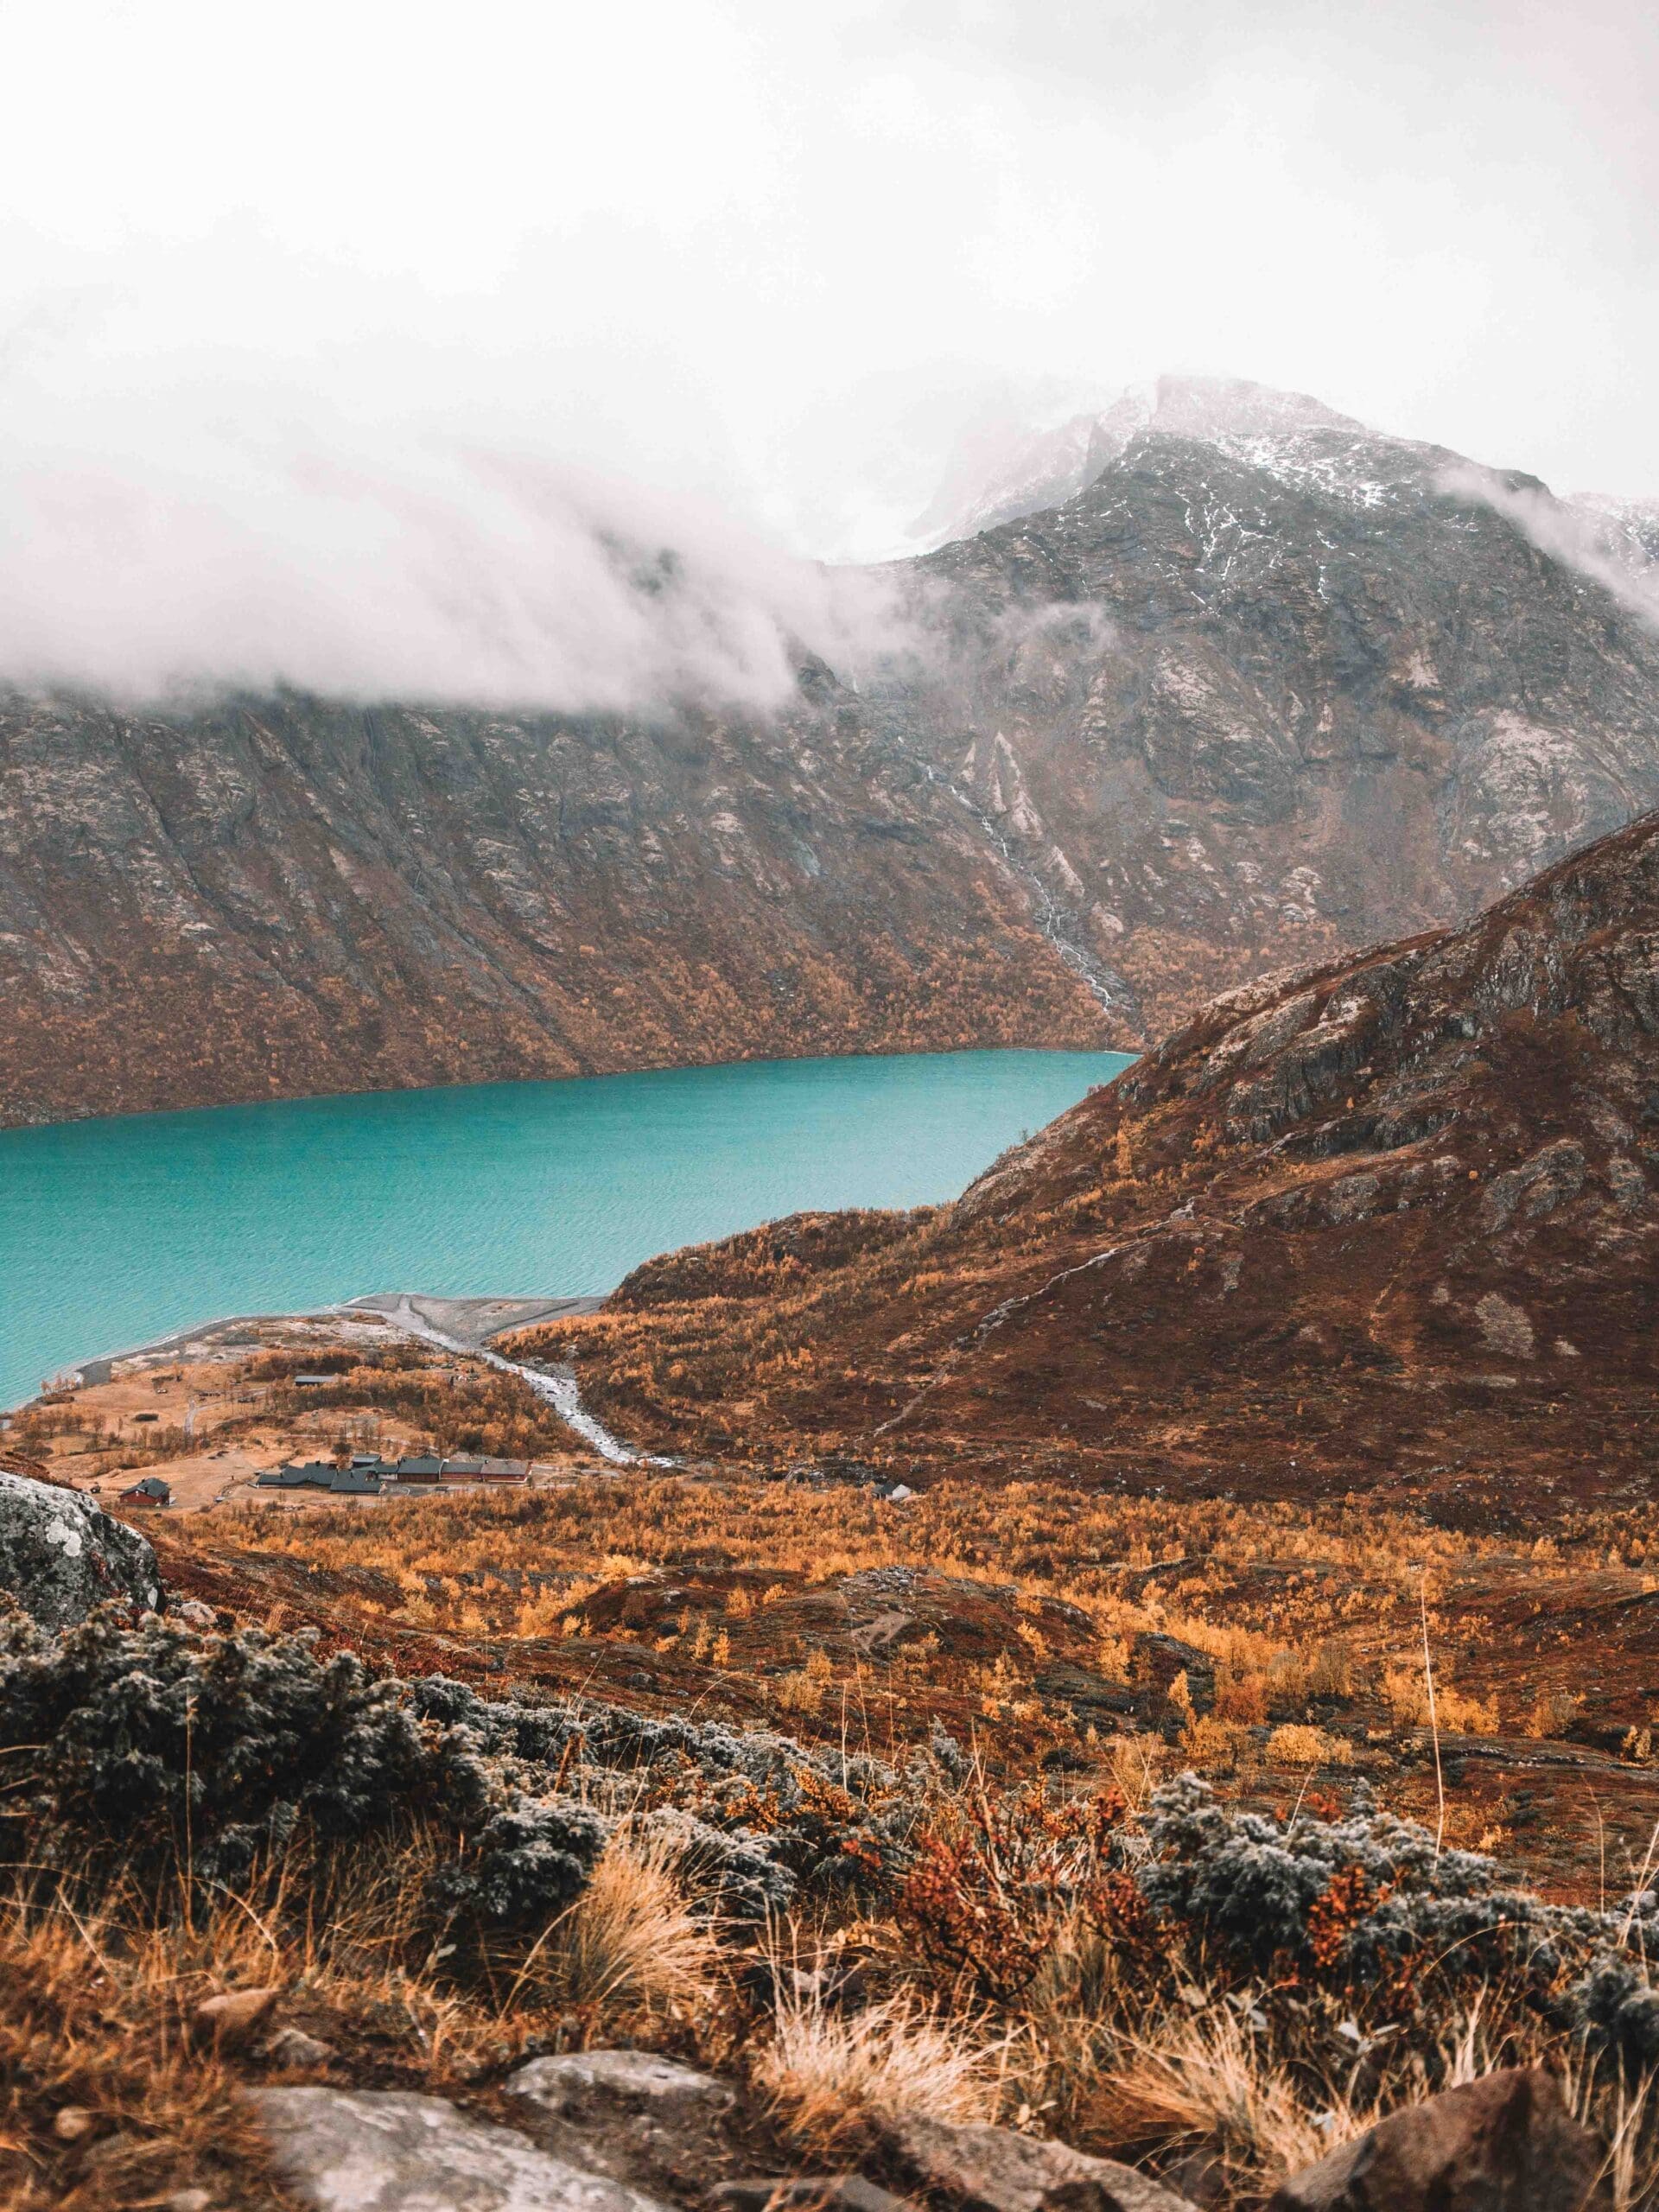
{"x": 1288, "y": 435}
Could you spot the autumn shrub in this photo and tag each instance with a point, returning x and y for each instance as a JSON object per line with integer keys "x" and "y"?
{"x": 1406, "y": 1689}
{"x": 993, "y": 1881}
{"x": 1297, "y": 1744}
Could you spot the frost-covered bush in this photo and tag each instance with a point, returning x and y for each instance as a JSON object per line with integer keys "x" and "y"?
{"x": 610, "y": 1738}
{"x": 1616, "y": 2009}
{"x": 527, "y": 1864}
{"x": 1346, "y": 1899}
{"x": 733, "y": 1872}
{"x": 224, "y": 1751}
{"x": 762, "y": 1816}
{"x": 213, "y": 1751}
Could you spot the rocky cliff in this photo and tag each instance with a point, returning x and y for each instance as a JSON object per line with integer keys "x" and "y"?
{"x": 1394, "y": 1220}
{"x": 278, "y": 896}
{"x": 1220, "y": 682}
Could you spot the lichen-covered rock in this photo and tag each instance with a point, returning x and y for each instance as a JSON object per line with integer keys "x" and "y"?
{"x": 641, "y": 2078}
{"x": 992, "y": 2170}
{"x": 60, "y": 1554}
{"x": 391, "y": 2151}
{"x": 804, "y": 2193}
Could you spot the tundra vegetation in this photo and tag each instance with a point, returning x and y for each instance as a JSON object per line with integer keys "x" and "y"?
{"x": 439, "y": 1882}
{"x": 1111, "y": 1819}
{"x": 1194, "y": 1782}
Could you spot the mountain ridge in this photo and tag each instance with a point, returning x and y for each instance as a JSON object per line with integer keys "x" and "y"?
{"x": 1218, "y": 712}
{"x": 1392, "y": 1221}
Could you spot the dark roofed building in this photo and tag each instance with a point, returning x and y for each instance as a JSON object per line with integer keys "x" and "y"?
{"x": 313, "y": 1474}
{"x": 354, "y": 1482}
{"x": 152, "y": 1490}
{"x": 424, "y": 1468}
{"x": 462, "y": 1469}
{"x": 506, "y": 1470}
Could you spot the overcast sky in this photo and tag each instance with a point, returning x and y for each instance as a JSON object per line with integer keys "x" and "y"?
{"x": 767, "y": 259}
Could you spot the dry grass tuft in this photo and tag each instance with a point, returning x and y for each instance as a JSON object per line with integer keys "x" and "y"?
{"x": 1212, "y": 2080}
{"x": 829, "y": 2075}
{"x": 92, "y": 2016}
{"x": 632, "y": 1939}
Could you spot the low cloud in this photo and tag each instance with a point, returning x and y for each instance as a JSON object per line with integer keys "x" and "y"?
{"x": 176, "y": 554}
{"x": 1581, "y": 535}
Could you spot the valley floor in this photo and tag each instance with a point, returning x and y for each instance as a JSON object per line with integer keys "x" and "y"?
{"x": 1274, "y": 1646}
{"x": 1031, "y": 1667}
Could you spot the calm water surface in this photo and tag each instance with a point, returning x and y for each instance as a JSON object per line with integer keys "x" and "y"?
{"x": 113, "y": 1232}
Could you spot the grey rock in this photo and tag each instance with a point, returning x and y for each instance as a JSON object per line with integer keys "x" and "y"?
{"x": 61, "y": 1556}
{"x": 392, "y": 2151}
{"x": 293, "y": 2047}
{"x": 640, "y": 2078}
{"x": 805, "y": 2193}
{"x": 1554, "y": 1175}
{"x": 992, "y": 2170}
{"x": 1505, "y": 2143}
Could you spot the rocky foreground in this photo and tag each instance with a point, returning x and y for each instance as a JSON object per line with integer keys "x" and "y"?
{"x": 1392, "y": 1221}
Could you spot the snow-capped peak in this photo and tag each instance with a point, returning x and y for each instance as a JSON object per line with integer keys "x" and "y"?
{"x": 1293, "y": 436}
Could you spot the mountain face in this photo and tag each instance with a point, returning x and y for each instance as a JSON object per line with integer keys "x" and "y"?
{"x": 1269, "y": 684}
{"x": 1393, "y": 1221}
{"x": 1224, "y": 682}
{"x": 282, "y": 896}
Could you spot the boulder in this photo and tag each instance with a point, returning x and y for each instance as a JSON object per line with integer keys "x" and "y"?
{"x": 992, "y": 2170}
{"x": 60, "y": 1554}
{"x": 639, "y": 2078}
{"x": 1506, "y": 2143}
{"x": 293, "y": 2047}
{"x": 229, "y": 2020}
{"x": 805, "y": 2193}
{"x": 394, "y": 2151}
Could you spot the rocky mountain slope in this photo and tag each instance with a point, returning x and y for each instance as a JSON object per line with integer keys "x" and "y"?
{"x": 280, "y": 896}
{"x": 1223, "y": 681}
{"x": 1237, "y": 682}
{"x": 1390, "y": 1221}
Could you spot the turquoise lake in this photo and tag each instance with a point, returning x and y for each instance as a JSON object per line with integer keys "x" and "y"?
{"x": 113, "y": 1232}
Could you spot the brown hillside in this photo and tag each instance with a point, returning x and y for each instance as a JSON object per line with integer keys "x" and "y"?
{"x": 1389, "y": 1222}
